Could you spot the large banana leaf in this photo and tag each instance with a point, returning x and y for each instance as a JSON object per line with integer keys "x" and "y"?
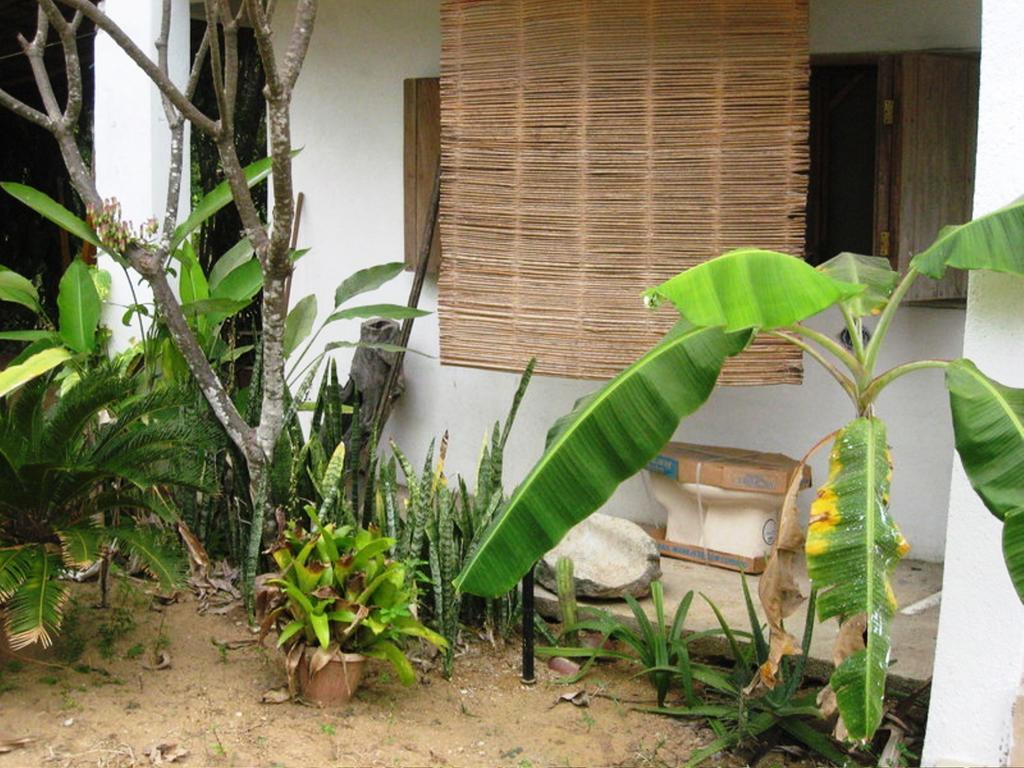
{"x": 1013, "y": 549}
{"x": 990, "y": 242}
{"x": 873, "y": 272}
{"x": 988, "y": 423}
{"x": 607, "y": 437}
{"x": 751, "y": 288}
{"x": 852, "y": 548}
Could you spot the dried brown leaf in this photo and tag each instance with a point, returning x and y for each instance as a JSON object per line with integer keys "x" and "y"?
{"x": 778, "y": 590}
{"x": 159, "y": 754}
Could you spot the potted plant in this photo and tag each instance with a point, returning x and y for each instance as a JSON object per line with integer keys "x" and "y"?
{"x": 342, "y": 600}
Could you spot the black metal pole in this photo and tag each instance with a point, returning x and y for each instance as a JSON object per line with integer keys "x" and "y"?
{"x": 528, "y": 675}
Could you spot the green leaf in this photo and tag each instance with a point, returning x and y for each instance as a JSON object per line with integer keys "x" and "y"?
{"x": 241, "y": 284}
{"x": 35, "y": 610}
{"x": 873, "y": 272}
{"x": 14, "y": 376}
{"x": 299, "y": 324}
{"x": 991, "y": 242}
{"x": 19, "y": 290}
{"x": 79, "y": 308}
{"x": 751, "y": 288}
{"x": 216, "y": 199}
{"x": 852, "y": 548}
{"x": 26, "y": 335}
{"x": 192, "y": 284}
{"x": 50, "y": 209}
{"x": 321, "y": 628}
{"x": 365, "y": 280}
{"x": 988, "y": 426}
{"x": 238, "y": 255}
{"x": 389, "y": 311}
{"x": 607, "y": 438}
{"x": 289, "y": 631}
{"x": 1013, "y": 549}
{"x": 391, "y": 653}
{"x": 215, "y": 309}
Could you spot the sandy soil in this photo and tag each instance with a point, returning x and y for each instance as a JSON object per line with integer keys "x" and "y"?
{"x": 106, "y": 708}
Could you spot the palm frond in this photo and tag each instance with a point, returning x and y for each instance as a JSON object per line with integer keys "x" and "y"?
{"x": 78, "y": 406}
{"x": 161, "y": 561}
{"x": 14, "y": 563}
{"x": 80, "y": 545}
{"x": 36, "y": 609}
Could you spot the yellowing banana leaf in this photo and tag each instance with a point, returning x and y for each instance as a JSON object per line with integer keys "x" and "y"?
{"x": 751, "y": 288}
{"x": 607, "y": 437}
{"x": 873, "y": 272}
{"x": 988, "y": 424}
{"x": 852, "y": 548}
{"x": 990, "y": 242}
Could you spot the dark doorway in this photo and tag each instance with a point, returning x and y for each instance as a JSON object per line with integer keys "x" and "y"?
{"x": 841, "y": 189}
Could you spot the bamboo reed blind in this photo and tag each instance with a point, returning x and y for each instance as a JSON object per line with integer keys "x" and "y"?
{"x": 593, "y": 148}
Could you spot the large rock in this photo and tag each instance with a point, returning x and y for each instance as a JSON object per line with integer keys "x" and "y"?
{"x": 611, "y": 558}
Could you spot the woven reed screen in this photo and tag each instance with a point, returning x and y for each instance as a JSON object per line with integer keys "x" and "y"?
{"x": 593, "y": 148}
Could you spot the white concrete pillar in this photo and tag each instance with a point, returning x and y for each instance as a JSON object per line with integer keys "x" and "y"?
{"x": 979, "y": 659}
{"x": 132, "y": 139}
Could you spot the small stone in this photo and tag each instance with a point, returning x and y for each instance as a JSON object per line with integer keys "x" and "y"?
{"x": 611, "y": 558}
{"x": 69, "y": 722}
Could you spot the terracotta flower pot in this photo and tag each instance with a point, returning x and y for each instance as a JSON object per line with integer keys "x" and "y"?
{"x": 329, "y": 684}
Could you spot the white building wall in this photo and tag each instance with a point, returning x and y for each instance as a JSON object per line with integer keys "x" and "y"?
{"x": 979, "y": 658}
{"x": 348, "y": 112}
{"x": 132, "y": 140}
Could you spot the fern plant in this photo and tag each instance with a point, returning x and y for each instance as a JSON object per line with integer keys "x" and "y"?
{"x": 72, "y": 472}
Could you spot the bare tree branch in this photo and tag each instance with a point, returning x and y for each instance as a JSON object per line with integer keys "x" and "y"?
{"x": 23, "y": 110}
{"x": 150, "y": 266}
{"x": 298, "y": 46}
{"x": 146, "y": 64}
{"x": 67, "y": 31}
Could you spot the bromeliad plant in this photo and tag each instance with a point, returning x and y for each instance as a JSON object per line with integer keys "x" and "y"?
{"x": 852, "y": 544}
{"x": 72, "y": 475}
{"x": 342, "y": 594}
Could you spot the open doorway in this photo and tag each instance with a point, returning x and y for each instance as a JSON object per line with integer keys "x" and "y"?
{"x": 892, "y": 145}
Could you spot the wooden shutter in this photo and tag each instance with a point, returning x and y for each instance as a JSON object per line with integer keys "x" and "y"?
{"x": 593, "y": 148}
{"x": 936, "y": 101}
{"x": 422, "y": 156}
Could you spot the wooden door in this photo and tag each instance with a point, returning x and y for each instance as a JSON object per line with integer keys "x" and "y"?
{"x": 936, "y": 122}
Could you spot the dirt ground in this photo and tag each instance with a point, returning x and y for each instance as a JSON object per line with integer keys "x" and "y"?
{"x": 108, "y": 706}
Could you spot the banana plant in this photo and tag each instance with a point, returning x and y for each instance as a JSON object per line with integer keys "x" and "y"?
{"x": 852, "y": 543}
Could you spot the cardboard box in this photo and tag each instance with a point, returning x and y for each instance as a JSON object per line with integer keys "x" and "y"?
{"x": 732, "y": 468}
{"x": 733, "y": 524}
{"x": 730, "y": 560}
